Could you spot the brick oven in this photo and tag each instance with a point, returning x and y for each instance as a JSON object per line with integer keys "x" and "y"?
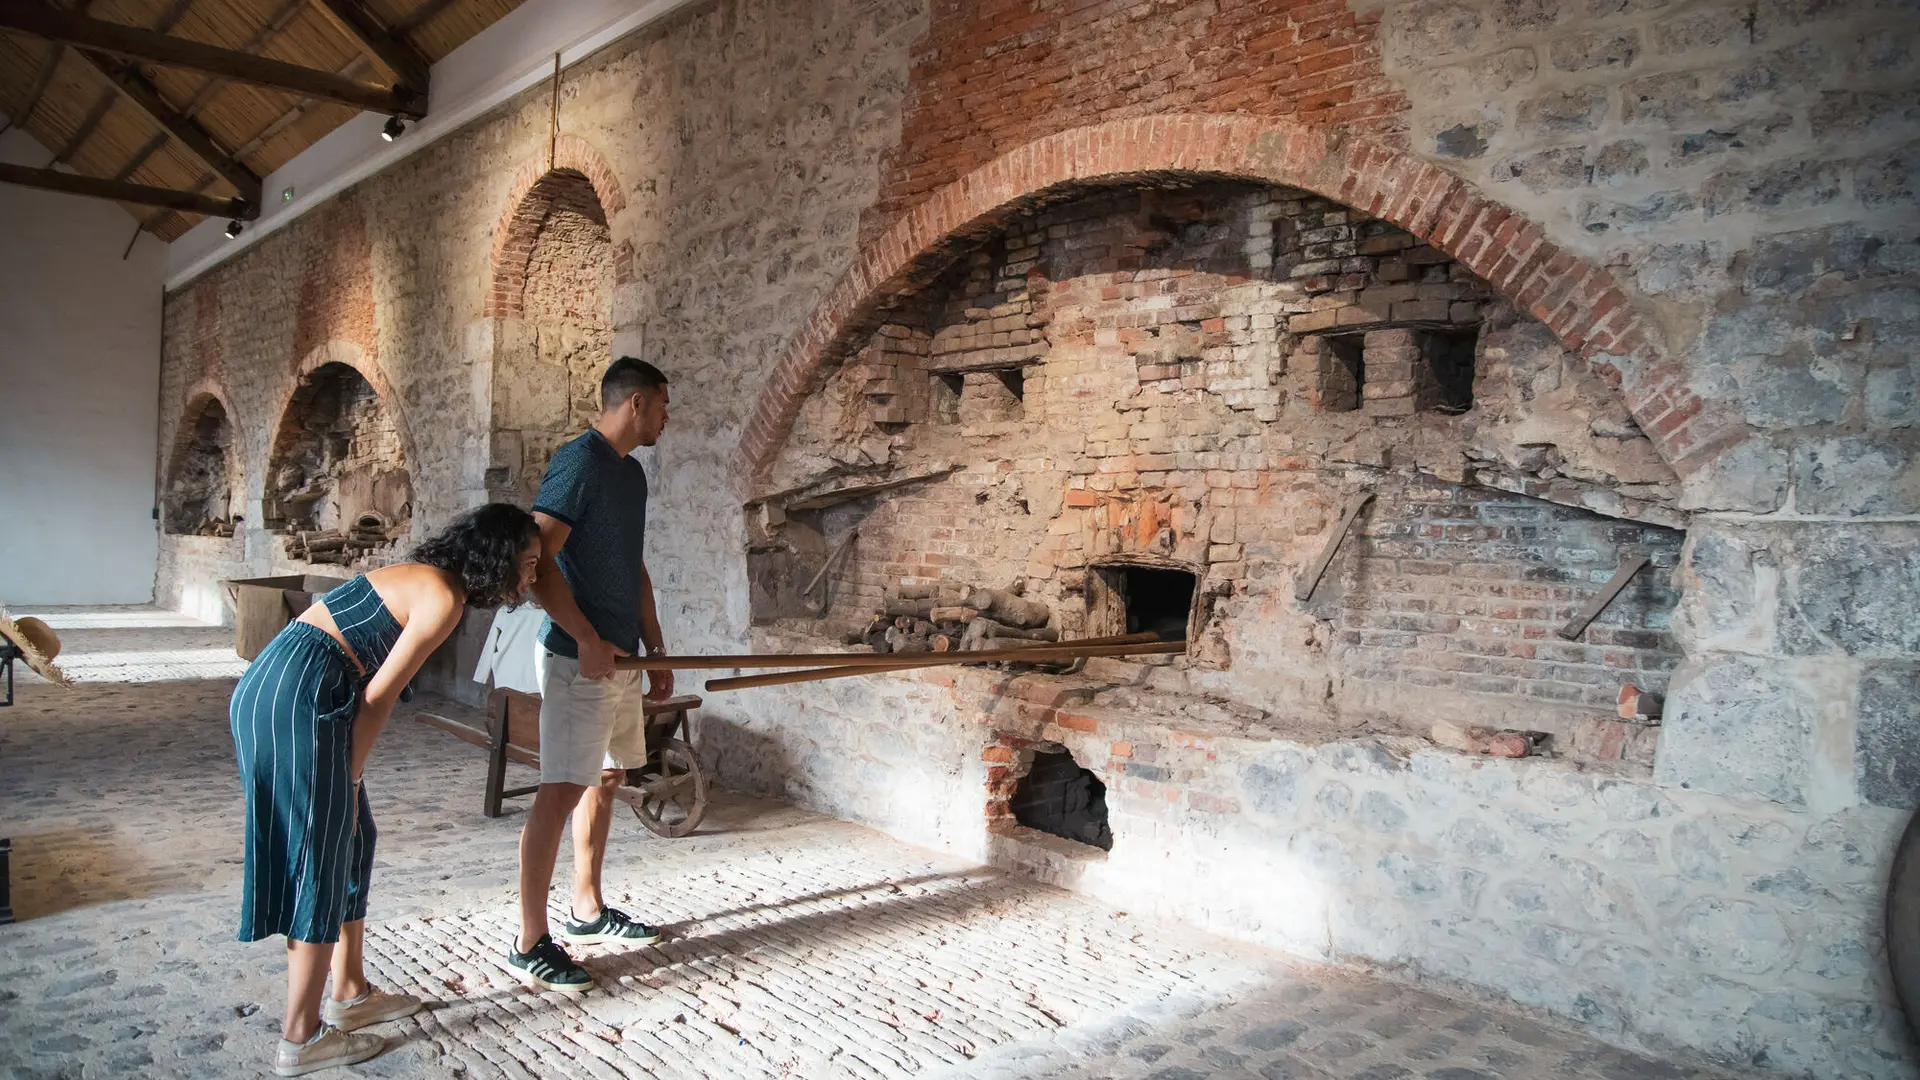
{"x": 338, "y": 489}
{"x": 1144, "y": 407}
{"x": 204, "y": 494}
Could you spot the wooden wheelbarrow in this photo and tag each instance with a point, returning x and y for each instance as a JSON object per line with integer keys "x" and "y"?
{"x": 668, "y": 794}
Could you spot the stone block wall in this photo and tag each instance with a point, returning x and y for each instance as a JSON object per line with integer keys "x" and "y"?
{"x": 1691, "y": 218}
{"x": 1653, "y": 915}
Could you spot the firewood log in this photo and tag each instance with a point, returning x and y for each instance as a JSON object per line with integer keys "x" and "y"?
{"x": 917, "y": 609}
{"x": 1004, "y": 607}
{"x": 911, "y": 590}
{"x": 940, "y": 643}
{"x": 952, "y": 614}
{"x": 1000, "y": 630}
{"x": 984, "y": 633}
{"x": 901, "y": 641}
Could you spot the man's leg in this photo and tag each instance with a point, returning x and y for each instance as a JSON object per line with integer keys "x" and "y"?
{"x": 591, "y": 820}
{"x": 539, "y": 847}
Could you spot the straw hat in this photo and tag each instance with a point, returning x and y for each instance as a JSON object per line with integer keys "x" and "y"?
{"x": 37, "y": 641}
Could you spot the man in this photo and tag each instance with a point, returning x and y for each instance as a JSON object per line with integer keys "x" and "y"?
{"x": 593, "y": 583}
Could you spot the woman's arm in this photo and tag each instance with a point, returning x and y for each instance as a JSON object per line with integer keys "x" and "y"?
{"x": 432, "y": 619}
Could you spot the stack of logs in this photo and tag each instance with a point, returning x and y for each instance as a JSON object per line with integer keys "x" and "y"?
{"x": 341, "y": 547}
{"x": 948, "y": 616}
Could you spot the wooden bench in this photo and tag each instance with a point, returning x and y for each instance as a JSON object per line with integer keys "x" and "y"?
{"x": 668, "y": 794}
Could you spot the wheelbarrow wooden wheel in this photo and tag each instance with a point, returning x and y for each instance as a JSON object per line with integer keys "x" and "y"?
{"x": 672, "y": 793}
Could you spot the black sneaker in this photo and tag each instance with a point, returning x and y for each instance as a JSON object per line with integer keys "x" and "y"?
{"x": 612, "y": 925}
{"x": 549, "y": 967}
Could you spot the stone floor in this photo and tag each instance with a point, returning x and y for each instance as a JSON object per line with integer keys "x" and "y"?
{"x": 797, "y": 945}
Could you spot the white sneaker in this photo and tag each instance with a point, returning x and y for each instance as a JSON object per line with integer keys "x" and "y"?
{"x": 329, "y": 1047}
{"x": 372, "y": 1007}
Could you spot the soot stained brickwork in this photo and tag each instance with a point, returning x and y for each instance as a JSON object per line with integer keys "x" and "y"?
{"x": 1138, "y": 376}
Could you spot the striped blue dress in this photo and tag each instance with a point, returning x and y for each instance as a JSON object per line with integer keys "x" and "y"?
{"x": 309, "y": 839}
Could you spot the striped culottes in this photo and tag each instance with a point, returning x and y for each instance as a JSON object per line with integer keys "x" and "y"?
{"x": 310, "y": 836}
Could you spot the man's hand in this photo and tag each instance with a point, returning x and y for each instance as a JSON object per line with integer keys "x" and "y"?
{"x": 659, "y": 685}
{"x": 596, "y": 658}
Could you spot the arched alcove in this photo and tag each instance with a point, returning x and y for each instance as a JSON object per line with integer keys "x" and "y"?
{"x": 553, "y": 296}
{"x": 1196, "y": 374}
{"x": 338, "y": 483}
{"x": 204, "y": 493}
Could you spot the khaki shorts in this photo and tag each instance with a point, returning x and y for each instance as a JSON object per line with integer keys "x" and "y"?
{"x": 587, "y": 725}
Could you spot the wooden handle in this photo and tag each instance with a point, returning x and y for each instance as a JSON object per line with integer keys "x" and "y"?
{"x": 1058, "y": 652}
{"x": 1578, "y": 624}
{"x": 787, "y": 660}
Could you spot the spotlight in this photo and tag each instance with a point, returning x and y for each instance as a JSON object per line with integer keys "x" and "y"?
{"x": 395, "y": 128}
{"x": 233, "y": 228}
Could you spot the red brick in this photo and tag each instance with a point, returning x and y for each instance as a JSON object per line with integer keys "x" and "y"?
{"x": 1076, "y": 722}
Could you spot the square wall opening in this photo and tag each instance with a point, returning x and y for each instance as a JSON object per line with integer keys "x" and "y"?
{"x": 1446, "y": 385}
{"x": 1130, "y": 599}
{"x": 1059, "y": 797}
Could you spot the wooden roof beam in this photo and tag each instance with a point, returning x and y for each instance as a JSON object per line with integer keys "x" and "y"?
{"x": 191, "y": 135}
{"x": 400, "y": 57}
{"x": 168, "y": 19}
{"x": 119, "y": 191}
{"x": 118, "y": 39}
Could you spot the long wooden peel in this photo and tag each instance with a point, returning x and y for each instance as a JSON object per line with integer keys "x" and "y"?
{"x": 920, "y": 660}
{"x": 787, "y": 660}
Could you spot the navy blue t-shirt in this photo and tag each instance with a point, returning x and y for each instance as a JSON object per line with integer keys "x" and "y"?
{"x": 602, "y": 494}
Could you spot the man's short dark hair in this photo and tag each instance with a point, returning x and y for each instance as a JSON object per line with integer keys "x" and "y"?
{"x": 626, "y": 377}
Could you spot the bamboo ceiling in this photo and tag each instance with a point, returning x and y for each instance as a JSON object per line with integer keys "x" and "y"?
{"x": 93, "y": 127}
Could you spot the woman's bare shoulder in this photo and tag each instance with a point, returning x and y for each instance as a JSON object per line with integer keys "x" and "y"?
{"x": 409, "y": 587}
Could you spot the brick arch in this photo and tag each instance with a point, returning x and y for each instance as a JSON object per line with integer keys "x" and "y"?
{"x": 350, "y": 355}
{"x": 205, "y": 393}
{"x": 579, "y": 179}
{"x": 1580, "y": 302}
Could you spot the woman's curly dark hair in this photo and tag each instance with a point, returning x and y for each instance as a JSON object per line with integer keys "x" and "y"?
{"x": 482, "y": 548}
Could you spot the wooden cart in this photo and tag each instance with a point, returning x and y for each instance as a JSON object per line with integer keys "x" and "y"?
{"x": 668, "y": 794}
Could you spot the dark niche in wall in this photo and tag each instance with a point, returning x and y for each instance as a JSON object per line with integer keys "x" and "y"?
{"x": 1059, "y": 797}
{"x": 337, "y": 480}
{"x": 201, "y": 497}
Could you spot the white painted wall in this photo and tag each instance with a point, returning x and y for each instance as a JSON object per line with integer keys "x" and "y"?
{"x": 79, "y": 394}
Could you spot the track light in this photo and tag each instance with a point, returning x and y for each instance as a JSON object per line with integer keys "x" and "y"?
{"x": 395, "y": 128}
{"x": 233, "y": 228}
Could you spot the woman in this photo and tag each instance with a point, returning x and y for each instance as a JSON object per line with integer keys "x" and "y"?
{"x": 304, "y": 717}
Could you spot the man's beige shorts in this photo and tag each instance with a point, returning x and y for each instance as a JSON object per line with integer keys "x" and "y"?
{"x": 587, "y": 725}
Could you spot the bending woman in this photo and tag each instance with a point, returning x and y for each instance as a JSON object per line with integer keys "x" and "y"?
{"x": 304, "y": 717}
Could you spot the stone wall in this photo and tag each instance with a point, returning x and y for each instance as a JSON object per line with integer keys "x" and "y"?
{"x": 1694, "y": 220}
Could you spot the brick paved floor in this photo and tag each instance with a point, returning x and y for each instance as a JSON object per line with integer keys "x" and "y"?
{"x": 797, "y": 945}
